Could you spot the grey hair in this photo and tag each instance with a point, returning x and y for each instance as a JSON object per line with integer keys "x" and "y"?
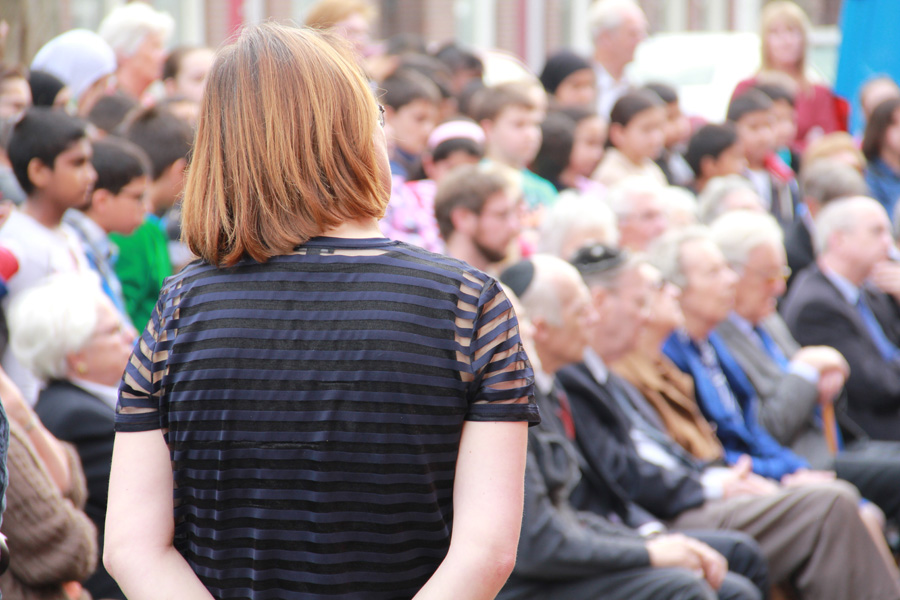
{"x": 541, "y": 299}
{"x": 839, "y": 215}
{"x": 608, "y": 15}
{"x": 826, "y": 180}
{"x": 126, "y": 26}
{"x": 679, "y": 201}
{"x": 665, "y": 252}
{"x": 712, "y": 199}
{"x": 571, "y": 215}
{"x": 738, "y": 232}
{"x": 621, "y": 196}
{"x": 43, "y": 330}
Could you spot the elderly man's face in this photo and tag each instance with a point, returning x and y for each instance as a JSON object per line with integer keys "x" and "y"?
{"x": 708, "y": 295}
{"x": 622, "y": 313}
{"x": 629, "y": 34}
{"x": 868, "y": 240}
{"x": 645, "y": 222}
{"x": 761, "y": 282}
{"x": 566, "y": 340}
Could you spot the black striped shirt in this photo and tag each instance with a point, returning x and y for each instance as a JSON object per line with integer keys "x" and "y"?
{"x": 313, "y": 407}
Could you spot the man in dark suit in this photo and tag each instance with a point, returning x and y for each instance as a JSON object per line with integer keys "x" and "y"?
{"x": 621, "y": 438}
{"x": 617, "y": 550}
{"x": 832, "y": 304}
{"x": 821, "y": 182}
{"x": 798, "y": 388}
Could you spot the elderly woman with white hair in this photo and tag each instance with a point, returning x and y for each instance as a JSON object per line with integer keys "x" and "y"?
{"x": 83, "y": 61}
{"x": 79, "y": 347}
{"x": 138, "y": 35}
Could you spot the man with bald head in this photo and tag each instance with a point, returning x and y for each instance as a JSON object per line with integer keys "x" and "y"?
{"x": 617, "y": 28}
{"x": 831, "y": 303}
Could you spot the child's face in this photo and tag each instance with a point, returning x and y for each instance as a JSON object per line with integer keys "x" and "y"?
{"x": 756, "y": 134}
{"x": 72, "y": 178}
{"x": 578, "y": 89}
{"x": 644, "y": 136}
{"x": 785, "y": 123}
{"x": 15, "y": 97}
{"x": 436, "y": 170}
{"x": 678, "y": 128}
{"x": 515, "y": 136}
{"x": 126, "y": 210}
{"x": 731, "y": 161}
{"x": 891, "y": 143}
{"x": 412, "y": 123}
{"x": 587, "y": 151}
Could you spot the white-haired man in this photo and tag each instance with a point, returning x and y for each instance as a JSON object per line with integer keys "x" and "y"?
{"x": 576, "y": 221}
{"x": 138, "y": 35}
{"x": 795, "y": 386}
{"x": 570, "y": 554}
{"x": 617, "y": 28}
{"x": 830, "y": 303}
{"x": 638, "y": 205}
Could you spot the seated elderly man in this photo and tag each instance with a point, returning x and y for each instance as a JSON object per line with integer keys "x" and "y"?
{"x": 831, "y": 303}
{"x": 566, "y": 553}
{"x": 804, "y": 532}
{"x": 795, "y": 386}
{"x": 638, "y": 205}
{"x": 822, "y": 182}
{"x": 576, "y": 220}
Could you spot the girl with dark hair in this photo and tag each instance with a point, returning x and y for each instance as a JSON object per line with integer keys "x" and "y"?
{"x": 635, "y": 139}
{"x": 881, "y": 147}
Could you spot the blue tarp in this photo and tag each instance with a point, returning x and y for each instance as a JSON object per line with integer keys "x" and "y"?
{"x": 869, "y": 47}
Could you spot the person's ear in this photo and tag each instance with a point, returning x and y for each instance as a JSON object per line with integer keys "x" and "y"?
{"x": 464, "y": 220}
{"x": 39, "y": 173}
{"x": 599, "y": 297}
{"x": 100, "y": 199}
{"x": 616, "y": 134}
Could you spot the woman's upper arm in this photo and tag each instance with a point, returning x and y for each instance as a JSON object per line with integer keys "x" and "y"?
{"x": 488, "y": 487}
{"x": 139, "y": 511}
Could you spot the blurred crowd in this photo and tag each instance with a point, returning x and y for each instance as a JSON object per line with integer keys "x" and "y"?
{"x": 712, "y": 310}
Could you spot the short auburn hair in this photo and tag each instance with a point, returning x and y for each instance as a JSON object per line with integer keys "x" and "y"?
{"x": 284, "y": 149}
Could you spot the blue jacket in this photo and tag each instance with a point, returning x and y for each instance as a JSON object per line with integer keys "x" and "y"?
{"x": 739, "y": 432}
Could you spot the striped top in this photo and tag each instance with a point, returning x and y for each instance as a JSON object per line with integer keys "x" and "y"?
{"x": 313, "y": 407}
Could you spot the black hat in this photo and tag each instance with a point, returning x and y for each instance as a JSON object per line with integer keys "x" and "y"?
{"x": 519, "y": 276}
{"x": 598, "y": 258}
{"x": 559, "y": 66}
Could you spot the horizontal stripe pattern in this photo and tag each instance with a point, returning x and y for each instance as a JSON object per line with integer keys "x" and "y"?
{"x": 313, "y": 407}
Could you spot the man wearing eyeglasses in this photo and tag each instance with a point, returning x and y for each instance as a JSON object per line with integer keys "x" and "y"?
{"x": 798, "y": 388}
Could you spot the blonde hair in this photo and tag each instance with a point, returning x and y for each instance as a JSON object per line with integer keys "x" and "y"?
{"x": 788, "y": 13}
{"x": 830, "y": 145}
{"x": 328, "y": 13}
{"x": 284, "y": 148}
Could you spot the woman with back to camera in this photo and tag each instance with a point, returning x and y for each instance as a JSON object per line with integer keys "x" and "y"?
{"x": 313, "y": 408}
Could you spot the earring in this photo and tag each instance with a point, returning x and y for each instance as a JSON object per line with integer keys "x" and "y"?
{"x": 81, "y": 369}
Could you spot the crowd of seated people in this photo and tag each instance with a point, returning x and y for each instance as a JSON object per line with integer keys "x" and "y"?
{"x": 712, "y": 310}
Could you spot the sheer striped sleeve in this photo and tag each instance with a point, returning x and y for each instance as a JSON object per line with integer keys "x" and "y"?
{"x": 140, "y": 390}
{"x": 502, "y": 388}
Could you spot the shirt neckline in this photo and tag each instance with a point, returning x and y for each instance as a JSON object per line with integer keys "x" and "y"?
{"x": 330, "y": 242}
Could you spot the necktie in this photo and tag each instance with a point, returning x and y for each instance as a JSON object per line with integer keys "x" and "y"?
{"x": 885, "y": 347}
{"x": 771, "y": 348}
{"x": 564, "y": 412}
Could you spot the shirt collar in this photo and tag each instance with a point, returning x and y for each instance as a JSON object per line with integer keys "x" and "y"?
{"x": 596, "y": 366}
{"x": 107, "y": 393}
{"x": 849, "y": 291}
{"x": 543, "y": 382}
{"x": 745, "y": 326}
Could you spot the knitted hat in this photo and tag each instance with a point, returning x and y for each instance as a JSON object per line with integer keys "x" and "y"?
{"x": 559, "y": 66}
